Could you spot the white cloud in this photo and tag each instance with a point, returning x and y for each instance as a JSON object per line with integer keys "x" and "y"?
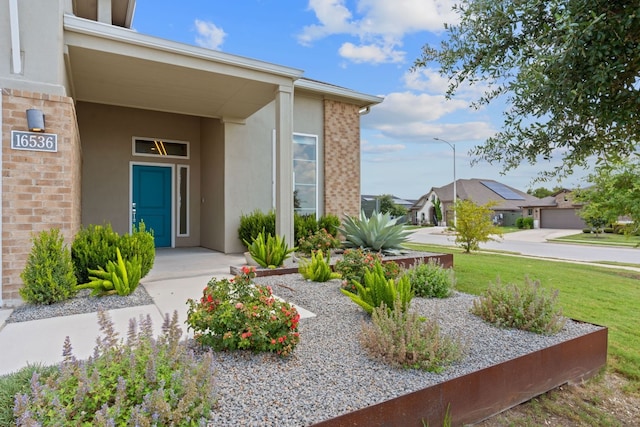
{"x": 367, "y": 147}
{"x": 405, "y": 107}
{"x": 378, "y": 25}
{"x": 209, "y": 35}
{"x": 430, "y": 80}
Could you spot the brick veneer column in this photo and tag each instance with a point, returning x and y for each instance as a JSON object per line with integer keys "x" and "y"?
{"x": 40, "y": 190}
{"x": 341, "y": 158}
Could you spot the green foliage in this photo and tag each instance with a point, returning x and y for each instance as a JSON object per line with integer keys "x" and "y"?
{"x": 304, "y": 225}
{"x": 119, "y": 278}
{"x": 430, "y": 280}
{"x": 330, "y": 223}
{"x": 318, "y": 269}
{"x": 377, "y": 233}
{"x": 615, "y": 192}
{"x": 437, "y": 208}
{"x": 527, "y": 223}
{"x": 567, "y": 69}
{"x": 474, "y": 225}
{"x": 93, "y": 247}
{"x": 139, "y": 244}
{"x": 377, "y": 289}
{"x": 18, "y": 382}
{"x": 48, "y": 275}
{"x": 320, "y": 240}
{"x": 520, "y": 223}
{"x": 233, "y": 314}
{"x": 402, "y": 338}
{"x": 140, "y": 381}
{"x": 354, "y": 263}
{"x": 255, "y": 223}
{"x": 387, "y": 205}
{"x": 269, "y": 253}
{"x": 526, "y": 307}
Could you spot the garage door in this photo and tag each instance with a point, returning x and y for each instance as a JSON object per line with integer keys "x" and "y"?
{"x": 561, "y": 218}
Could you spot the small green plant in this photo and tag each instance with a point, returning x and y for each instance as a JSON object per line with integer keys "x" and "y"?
{"x": 318, "y": 269}
{"x": 304, "y": 225}
{"x": 93, "y": 247}
{"x": 430, "y": 280}
{"x": 48, "y": 275}
{"x": 402, "y": 338}
{"x": 527, "y": 223}
{"x": 269, "y": 253}
{"x": 320, "y": 240}
{"x": 330, "y": 223}
{"x": 141, "y": 244}
{"x": 354, "y": 263}
{"x": 255, "y": 223}
{"x": 140, "y": 381}
{"x": 378, "y": 233}
{"x": 520, "y": 222}
{"x": 474, "y": 224}
{"x": 233, "y": 314}
{"x": 119, "y": 278}
{"x": 377, "y": 289}
{"x": 526, "y": 307}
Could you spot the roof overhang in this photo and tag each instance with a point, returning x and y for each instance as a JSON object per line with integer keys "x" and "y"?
{"x": 117, "y": 66}
{"x": 338, "y": 93}
{"x": 121, "y": 11}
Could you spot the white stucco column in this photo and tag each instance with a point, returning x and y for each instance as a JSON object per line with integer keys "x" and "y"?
{"x": 284, "y": 163}
{"x": 104, "y": 11}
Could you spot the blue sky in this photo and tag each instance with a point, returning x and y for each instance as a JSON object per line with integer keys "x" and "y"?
{"x": 364, "y": 45}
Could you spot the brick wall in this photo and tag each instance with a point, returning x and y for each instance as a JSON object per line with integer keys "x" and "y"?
{"x": 341, "y": 158}
{"x": 40, "y": 190}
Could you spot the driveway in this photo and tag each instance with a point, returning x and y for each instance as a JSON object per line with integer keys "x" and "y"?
{"x": 535, "y": 243}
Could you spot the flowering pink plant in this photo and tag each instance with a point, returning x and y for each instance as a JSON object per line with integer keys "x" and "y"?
{"x": 233, "y": 314}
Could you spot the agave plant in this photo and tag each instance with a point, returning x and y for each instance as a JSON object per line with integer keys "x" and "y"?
{"x": 378, "y": 233}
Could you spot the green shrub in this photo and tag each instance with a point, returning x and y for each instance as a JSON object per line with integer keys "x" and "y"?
{"x": 318, "y": 269}
{"x": 269, "y": 253}
{"x": 304, "y": 225}
{"x": 255, "y": 223}
{"x": 527, "y": 223}
{"x": 430, "y": 280}
{"x": 520, "y": 222}
{"x": 588, "y": 230}
{"x": 48, "y": 275}
{"x": 354, "y": 263}
{"x": 233, "y": 314}
{"x": 320, "y": 240}
{"x": 119, "y": 278}
{"x": 140, "y": 244}
{"x": 330, "y": 223}
{"x": 377, "y": 289}
{"x": 18, "y": 382}
{"x": 608, "y": 230}
{"x": 377, "y": 233}
{"x": 402, "y": 338}
{"x": 143, "y": 381}
{"x": 525, "y": 307}
{"x": 93, "y": 247}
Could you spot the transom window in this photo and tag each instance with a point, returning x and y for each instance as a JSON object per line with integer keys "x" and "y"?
{"x": 160, "y": 148}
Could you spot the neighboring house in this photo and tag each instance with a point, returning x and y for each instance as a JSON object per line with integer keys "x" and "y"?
{"x": 369, "y": 203}
{"x": 481, "y": 191}
{"x": 140, "y": 128}
{"x": 556, "y": 211}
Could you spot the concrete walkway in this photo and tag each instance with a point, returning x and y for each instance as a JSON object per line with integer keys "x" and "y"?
{"x": 177, "y": 275}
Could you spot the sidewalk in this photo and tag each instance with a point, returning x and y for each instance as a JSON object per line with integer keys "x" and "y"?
{"x": 177, "y": 275}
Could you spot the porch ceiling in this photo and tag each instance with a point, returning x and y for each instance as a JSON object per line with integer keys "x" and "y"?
{"x": 115, "y": 66}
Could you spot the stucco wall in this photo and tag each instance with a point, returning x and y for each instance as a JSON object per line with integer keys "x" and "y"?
{"x": 212, "y": 203}
{"x": 341, "y": 158}
{"x": 40, "y": 190}
{"x": 107, "y": 133}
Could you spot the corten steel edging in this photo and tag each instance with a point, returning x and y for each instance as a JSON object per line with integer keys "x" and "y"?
{"x": 445, "y": 260}
{"x": 479, "y": 395}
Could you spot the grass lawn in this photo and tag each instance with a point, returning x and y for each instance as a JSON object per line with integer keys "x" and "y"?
{"x": 599, "y": 295}
{"x": 600, "y": 239}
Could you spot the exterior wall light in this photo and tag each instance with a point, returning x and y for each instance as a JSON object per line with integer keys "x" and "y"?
{"x": 35, "y": 120}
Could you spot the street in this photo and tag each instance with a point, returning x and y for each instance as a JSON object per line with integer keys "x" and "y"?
{"x": 534, "y": 243}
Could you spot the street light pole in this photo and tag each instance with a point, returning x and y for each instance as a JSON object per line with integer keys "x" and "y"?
{"x": 455, "y": 194}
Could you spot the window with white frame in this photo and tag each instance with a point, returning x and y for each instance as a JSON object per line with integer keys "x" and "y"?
{"x": 305, "y": 174}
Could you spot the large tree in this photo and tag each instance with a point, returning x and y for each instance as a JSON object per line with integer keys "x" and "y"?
{"x": 569, "y": 71}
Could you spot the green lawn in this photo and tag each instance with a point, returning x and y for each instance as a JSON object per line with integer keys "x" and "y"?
{"x": 604, "y": 296}
{"x": 600, "y": 239}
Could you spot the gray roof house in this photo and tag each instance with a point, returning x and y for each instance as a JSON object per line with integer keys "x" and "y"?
{"x": 101, "y": 123}
{"x": 509, "y": 200}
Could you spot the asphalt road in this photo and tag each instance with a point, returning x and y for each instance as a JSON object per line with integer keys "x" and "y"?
{"x": 534, "y": 243}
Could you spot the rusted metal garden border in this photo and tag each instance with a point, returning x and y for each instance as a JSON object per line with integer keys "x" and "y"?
{"x": 481, "y": 394}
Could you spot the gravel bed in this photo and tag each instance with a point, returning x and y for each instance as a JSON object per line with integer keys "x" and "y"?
{"x": 83, "y": 302}
{"x": 329, "y": 374}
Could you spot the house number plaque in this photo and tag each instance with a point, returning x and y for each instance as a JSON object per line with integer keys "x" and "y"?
{"x": 34, "y": 141}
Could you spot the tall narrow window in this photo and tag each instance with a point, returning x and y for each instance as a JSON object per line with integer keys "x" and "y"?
{"x": 183, "y": 200}
{"x": 305, "y": 174}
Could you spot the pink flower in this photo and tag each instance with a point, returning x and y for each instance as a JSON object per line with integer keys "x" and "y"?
{"x": 239, "y": 306}
{"x": 246, "y": 335}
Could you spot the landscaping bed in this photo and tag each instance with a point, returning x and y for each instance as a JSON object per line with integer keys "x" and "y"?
{"x": 329, "y": 378}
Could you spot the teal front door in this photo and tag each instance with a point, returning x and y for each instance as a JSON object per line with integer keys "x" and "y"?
{"x": 151, "y": 201}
